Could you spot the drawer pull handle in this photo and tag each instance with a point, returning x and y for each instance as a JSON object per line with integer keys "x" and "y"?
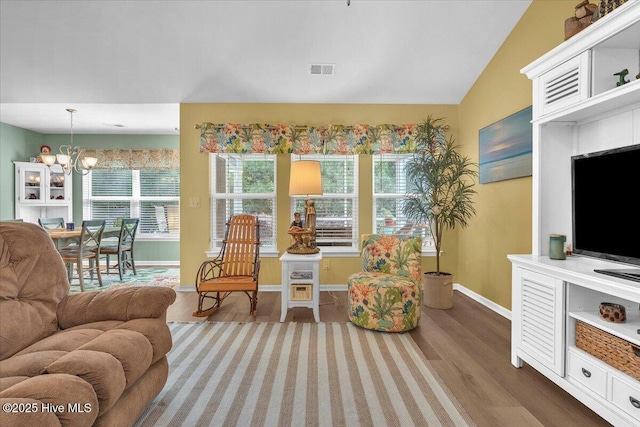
{"x": 636, "y": 350}
{"x": 634, "y": 402}
{"x": 586, "y": 373}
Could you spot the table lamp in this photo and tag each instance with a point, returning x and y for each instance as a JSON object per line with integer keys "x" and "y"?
{"x": 305, "y": 180}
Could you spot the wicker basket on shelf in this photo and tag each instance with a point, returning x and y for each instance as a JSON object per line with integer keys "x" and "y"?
{"x": 612, "y": 350}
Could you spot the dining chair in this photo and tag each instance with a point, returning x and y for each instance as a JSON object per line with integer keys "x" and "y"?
{"x": 123, "y": 248}
{"x": 50, "y": 223}
{"x": 88, "y": 248}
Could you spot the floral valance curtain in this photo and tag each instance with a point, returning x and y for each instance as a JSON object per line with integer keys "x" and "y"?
{"x": 136, "y": 159}
{"x": 301, "y": 139}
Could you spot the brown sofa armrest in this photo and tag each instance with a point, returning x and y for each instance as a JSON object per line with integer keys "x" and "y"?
{"x": 119, "y": 304}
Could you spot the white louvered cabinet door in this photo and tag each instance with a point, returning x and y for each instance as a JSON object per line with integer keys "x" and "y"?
{"x": 564, "y": 86}
{"x": 542, "y": 319}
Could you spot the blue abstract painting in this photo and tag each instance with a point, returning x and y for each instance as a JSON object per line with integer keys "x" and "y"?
{"x": 506, "y": 148}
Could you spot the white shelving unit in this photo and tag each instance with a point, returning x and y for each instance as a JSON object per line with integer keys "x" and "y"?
{"x": 627, "y": 331}
{"x": 42, "y": 192}
{"x": 578, "y": 109}
{"x": 300, "y": 270}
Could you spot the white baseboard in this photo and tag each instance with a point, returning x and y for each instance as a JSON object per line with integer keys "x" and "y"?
{"x": 323, "y": 288}
{"x": 482, "y": 300}
{"x": 172, "y": 264}
{"x": 271, "y": 288}
{"x": 340, "y": 287}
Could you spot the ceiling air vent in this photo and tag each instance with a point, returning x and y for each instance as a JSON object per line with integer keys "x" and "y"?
{"x": 321, "y": 69}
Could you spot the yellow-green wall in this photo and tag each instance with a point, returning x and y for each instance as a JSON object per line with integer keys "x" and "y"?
{"x": 475, "y": 255}
{"x": 503, "y": 223}
{"x": 194, "y": 171}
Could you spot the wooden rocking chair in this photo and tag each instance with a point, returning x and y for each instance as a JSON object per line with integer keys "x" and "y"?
{"x": 235, "y": 269}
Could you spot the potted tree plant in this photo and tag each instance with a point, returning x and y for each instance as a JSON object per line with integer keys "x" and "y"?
{"x": 440, "y": 182}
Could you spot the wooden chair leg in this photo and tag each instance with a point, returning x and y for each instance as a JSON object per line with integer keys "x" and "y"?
{"x": 120, "y": 266}
{"x": 127, "y": 262}
{"x": 91, "y": 269}
{"x": 80, "y": 275}
{"x": 254, "y": 304}
{"x": 98, "y": 270}
{"x": 133, "y": 264}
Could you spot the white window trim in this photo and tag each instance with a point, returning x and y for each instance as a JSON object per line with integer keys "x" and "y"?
{"x": 268, "y": 251}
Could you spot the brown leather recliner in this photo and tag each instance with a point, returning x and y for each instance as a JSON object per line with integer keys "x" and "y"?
{"x": 96, "y": 358}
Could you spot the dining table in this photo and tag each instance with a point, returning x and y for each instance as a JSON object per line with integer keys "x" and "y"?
{"x": 63, "y": 237}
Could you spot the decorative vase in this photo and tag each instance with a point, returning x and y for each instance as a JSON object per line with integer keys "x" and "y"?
{"x": 556, "y": 246}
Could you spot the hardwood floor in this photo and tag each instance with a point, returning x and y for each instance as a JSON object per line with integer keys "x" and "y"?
{"x": 468, "y": 346}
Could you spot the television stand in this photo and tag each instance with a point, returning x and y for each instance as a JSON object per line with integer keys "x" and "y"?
{"x": 629, "y": 273}
{"x": 549, "y": 298}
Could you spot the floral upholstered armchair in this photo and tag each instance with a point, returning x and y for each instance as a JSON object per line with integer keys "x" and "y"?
{"x": 387, "y": 294}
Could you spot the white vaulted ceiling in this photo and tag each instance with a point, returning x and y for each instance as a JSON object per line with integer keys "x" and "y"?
{"x": 127, "y": 65}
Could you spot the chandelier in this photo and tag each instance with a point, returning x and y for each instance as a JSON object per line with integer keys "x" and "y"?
{"x": 71, "y": 158}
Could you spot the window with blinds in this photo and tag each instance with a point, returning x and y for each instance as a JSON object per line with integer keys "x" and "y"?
{"x": 153, "y": 195}
{"x": 337, "y": 208}
{"x": 389, "y": 190}
{"x": 243, "y": 184}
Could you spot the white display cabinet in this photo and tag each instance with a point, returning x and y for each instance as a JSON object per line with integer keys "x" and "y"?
{"x": 578, "y": 109}
{"x": 41, "y": 192}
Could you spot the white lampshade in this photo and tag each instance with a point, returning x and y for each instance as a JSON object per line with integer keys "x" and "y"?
{"x": 305, "y": 178}
{"x": 89, "y": 162}
{"x": 63, "y": 159}
{"x": 48, "y": 159}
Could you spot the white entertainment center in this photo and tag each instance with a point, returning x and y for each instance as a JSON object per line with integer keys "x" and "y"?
{"x": 578, "y": 109}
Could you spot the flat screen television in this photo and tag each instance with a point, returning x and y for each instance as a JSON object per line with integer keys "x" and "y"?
{"x": 605, "y": 197}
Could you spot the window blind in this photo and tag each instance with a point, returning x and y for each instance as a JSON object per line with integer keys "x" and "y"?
{"x": 151, "y": 195}
{"x": 389, "y": 190}
{"x": 337, "y": 208}
{"x": 243, "y": 184}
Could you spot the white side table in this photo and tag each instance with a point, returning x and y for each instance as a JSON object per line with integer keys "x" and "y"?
{"x": 303, "y": 271}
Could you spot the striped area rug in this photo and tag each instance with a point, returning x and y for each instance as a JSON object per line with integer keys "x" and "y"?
{"x": 298, "y": 374}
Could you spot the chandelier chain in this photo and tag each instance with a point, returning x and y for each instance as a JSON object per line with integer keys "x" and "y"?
{"x": 71, "y": 111}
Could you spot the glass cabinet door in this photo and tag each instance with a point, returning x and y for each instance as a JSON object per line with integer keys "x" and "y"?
{"x": 58, "y": 187}
{"x": 31, "y": 183}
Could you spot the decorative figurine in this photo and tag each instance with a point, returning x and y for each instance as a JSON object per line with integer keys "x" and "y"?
{"x": 297, "y": 221}
{"x": 622, "y": 75}
{"x": 304, "y": 240}
{"x": 295, "y": 230}
{"x": 583, "y": 17}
